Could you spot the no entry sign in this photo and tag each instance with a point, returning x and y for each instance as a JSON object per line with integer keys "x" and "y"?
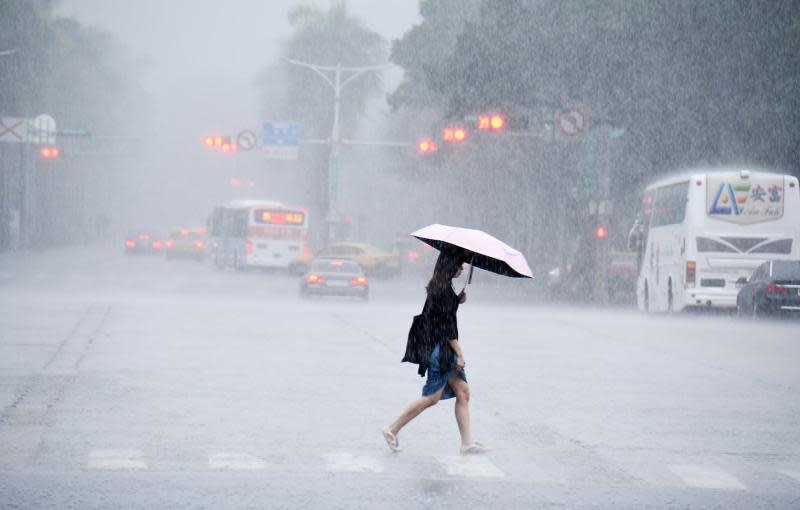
{"x": 571, "y": 122}
{"x": 246, "y": 140}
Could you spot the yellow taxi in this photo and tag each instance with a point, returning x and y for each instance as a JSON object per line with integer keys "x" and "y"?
{"x": 373, "y": 260}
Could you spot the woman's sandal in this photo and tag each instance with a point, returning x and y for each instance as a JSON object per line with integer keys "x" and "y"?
{"x": 474, "y": 449}
{"x": 391, "y": 440}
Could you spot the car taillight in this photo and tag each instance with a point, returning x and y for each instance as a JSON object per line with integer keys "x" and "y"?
{"x": 691, "y": 273}
{"x": 157, "y": 245}
{"x": 144, "y": 237}
{"x": 312, "y": 278}
{"x": 169, "y": 244}
{"x": 306, "y": 250}
{"x": 359, "y": 281}
{"x": 130, "y": 244}
{"x": 412, "y": 255}
{"x": 248, "y": 247}
{"x": 199, "y": 244}
{"x": 771, "y": 288}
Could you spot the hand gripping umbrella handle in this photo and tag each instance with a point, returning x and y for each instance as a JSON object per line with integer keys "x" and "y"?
{"x": 471, "y": 267}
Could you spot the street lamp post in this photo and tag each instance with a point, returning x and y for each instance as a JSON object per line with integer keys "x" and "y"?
{"x": 342, "y": 76}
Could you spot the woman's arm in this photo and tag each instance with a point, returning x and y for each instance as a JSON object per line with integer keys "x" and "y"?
{"x": 457, "y": 349}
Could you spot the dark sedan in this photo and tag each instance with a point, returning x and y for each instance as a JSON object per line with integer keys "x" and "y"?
{"x": 773, "y": 288}
{"x": 334, "y": 277}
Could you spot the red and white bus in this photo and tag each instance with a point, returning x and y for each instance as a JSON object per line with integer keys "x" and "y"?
{"x": 257, "y": 233}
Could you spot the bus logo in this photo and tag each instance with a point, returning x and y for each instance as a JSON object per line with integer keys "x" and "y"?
{"x": 734, "y": 200}
{"x": 726, "y": 195}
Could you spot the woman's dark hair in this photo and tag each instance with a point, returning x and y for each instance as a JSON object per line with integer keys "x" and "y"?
{"x": 447, "y": 265}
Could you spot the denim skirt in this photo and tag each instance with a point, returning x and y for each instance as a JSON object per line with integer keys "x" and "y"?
{"x": 437, "y": 378}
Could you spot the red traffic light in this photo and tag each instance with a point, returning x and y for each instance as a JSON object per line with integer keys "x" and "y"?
{"x": 601, "y": 232}
{"x": 494, "y": 122}
{"x": 220, "y": 142}
{"x": 454, "y": 134}
{"x": 426, "y": 146}
{"x": 49, "y": 152}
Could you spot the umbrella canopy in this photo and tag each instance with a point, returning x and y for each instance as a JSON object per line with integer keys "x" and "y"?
{"x": 476, "y": 247}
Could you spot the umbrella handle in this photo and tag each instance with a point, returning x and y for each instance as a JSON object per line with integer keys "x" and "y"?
{"x": 471, "y": 267}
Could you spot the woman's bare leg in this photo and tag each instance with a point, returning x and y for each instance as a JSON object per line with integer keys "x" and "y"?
{"x": 461, "y": 389}
{"x": 414, "y": 409}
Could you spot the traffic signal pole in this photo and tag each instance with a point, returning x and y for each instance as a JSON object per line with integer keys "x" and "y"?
{"x": 341, "y": 78}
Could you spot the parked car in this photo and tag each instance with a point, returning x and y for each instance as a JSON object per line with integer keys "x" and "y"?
{"x": 143, "y": 241}
{"x": 774, "y": 287}
{"x": 374, "y": 261}
{"x": 185, "y": 243}
{"x": 335, "y": 277}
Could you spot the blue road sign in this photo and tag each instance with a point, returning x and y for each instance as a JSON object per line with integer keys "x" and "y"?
{"x": 281, "y": 140}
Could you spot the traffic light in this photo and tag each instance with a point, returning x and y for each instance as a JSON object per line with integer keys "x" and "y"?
{"x": 600, "y": 232}
{"x": 454, "y": 134}
{"x": 220, "y": 142}
{"x": 491, "y": 122}
{"x": 47, "y": 152}
{"x": 426, "y": 146}
{"x": 498, "y": 122}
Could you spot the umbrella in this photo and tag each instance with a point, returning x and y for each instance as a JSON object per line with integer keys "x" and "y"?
{"x": 476, "y": 247}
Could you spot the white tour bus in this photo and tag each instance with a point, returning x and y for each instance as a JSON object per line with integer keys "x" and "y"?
{"x": 699, "y": 232}
{"x": 257, "y": 233}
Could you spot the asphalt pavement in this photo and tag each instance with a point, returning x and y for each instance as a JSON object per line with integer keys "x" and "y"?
{"x": 133, "y": 382}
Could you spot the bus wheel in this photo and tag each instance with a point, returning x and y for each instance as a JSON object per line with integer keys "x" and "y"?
{"x": 646, "y": 298}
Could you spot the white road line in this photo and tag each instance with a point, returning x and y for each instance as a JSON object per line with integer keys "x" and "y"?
{"x": 470, "y": 466}
{"x": 235, "y": 462}
{"x": 790, "y": 473}
{"x": 350, "y": 463}
{"x": 116, "y": 459}
{"x": 706, "y": 477}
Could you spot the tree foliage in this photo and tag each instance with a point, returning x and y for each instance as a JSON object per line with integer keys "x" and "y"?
{"x": 693, "y": 82}
{"x": 79, "y": 75}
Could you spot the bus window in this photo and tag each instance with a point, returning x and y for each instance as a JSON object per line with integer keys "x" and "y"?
{"x": 670, "y": 205}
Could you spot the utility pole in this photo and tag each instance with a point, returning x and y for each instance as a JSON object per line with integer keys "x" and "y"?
{"x": 338, "y": 78}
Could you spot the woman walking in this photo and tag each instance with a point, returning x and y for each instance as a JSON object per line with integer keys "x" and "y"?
{"x": 439, "y": 353}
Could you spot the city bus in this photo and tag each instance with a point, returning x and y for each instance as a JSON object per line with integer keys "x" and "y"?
{"x": 698, "y": 233}
{"x": 257, "y": 234}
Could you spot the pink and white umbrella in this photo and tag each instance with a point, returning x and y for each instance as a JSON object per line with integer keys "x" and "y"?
{"x": 477, "y": 248}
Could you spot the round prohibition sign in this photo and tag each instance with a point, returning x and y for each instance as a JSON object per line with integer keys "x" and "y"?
{"x": 571, "y": 122}
{"x": 246, "y": 140}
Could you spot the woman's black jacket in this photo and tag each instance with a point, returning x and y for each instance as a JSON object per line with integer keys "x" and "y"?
{"x": 436, "y": 324}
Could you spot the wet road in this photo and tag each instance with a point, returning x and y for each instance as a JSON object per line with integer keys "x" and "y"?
{"x": 133, "y": 382}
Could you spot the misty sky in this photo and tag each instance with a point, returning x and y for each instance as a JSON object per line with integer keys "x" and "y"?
{"x": 204, "y": 54}
{"x": 201, "y": 58}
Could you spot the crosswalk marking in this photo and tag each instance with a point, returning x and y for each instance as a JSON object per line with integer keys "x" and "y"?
{"x": 235, "y": 462}
{"x": 351, "y": 463}
{"x": 706, "y": 477}
{"x": 117, "y": 459}
{"x": 470, "y": 466}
